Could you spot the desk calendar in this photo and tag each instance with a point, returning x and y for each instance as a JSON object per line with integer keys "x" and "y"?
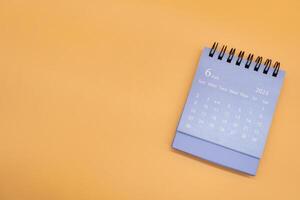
{"x": 229, "y": 109}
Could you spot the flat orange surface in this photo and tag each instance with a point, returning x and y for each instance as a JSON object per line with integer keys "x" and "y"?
{"x": 92, "y": 91}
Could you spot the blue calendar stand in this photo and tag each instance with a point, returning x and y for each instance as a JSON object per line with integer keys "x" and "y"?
{"x": 229, "y": 109}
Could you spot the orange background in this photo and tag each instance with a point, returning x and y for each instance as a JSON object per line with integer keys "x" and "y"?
{"x": 91, "y": 93}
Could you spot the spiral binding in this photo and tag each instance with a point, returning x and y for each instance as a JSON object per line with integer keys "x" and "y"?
{"x": 257, "y": 62}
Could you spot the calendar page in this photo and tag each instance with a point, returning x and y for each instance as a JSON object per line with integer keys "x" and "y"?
{"x": 231, "y": 105}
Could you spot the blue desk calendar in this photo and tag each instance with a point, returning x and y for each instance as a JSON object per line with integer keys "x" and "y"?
{"x": 229, "y": 109}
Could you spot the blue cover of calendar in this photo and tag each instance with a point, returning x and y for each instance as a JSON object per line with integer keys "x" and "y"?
{"x": 229, "y": 109}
